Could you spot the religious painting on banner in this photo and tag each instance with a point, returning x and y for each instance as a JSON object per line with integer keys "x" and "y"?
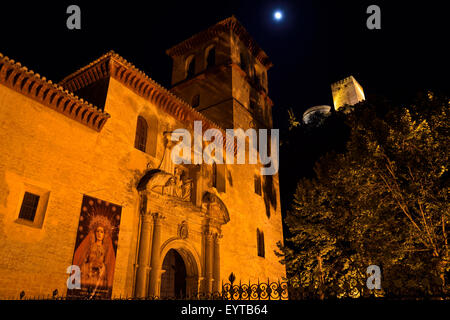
{"x": 96, "y": 247}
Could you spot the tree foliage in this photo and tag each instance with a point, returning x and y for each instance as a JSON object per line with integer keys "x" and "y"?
{"x": 383, "y": 201}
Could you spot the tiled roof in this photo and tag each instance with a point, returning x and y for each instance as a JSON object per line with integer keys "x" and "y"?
{"x": 32, "y": 85}
{"x": 113, "y": 65}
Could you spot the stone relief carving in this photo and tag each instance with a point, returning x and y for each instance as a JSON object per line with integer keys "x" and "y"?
{"x": 160, "y": 181}
{"x": 183, "y": 231}
{"x": 215, "y": 207}
{"x": 178, "y": 185}
{"x": 182, "y": 185}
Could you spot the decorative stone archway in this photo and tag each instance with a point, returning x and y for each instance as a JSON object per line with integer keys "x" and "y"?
{"x": 191, "y": 261}
{"x": 173, "y": 276}
{"x": 203, "y": 266}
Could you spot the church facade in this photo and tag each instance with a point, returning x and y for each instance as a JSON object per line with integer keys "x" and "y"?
{"x": 91, "y": 202}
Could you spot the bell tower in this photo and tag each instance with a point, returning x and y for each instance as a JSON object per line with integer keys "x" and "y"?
{"x": 222, "y": 73}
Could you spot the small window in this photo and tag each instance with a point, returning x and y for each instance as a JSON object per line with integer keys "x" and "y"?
{"x": 257, "y": 180}
{"x": 32, "y": 206}
{"x": 244, "y": 65}
{"x": 260, "y": 243}
{"x": 29, "y": 206}
{"x": 211, "y": 58}
{"x": 190, "y": 68}
{"x": 219, "y": 177}
{"x": 196, "y": 101}
{"x": 258, "y": 81}
{"x": 214, "y": 175}
{"x": 140, "y": 141}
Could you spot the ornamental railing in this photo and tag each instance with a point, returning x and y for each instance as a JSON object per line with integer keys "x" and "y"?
{"x": 243, "y": 291}
{"x": 276, "y": 290}
{"x": 256, "y": 291}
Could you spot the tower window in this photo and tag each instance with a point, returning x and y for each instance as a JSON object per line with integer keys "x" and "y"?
{"x": 190, "y": 68}
{"x": 257, "y": 180}
{"x": 244, "y": 65}
{"x": 219, "y": 177}
{"x": 140, "y": 141}
{"x": 211, "y": 58}
{"x": 214, "y": 175}
{"x": 196, "y": 100}
{"x": 29, "y": 206}
{"x": 258, "y": 80}
{"x": 260, "y": 243}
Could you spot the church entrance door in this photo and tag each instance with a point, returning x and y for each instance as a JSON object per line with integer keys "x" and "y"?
{"x": 173, "y": 280}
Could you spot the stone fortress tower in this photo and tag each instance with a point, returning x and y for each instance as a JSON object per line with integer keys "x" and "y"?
{"x": 346, "y": 92}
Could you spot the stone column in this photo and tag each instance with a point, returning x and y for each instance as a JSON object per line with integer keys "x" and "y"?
{"x": 209, "y": 262}
{"x": 216, "y": 268}
{"x": 200, "y": 285}
{"x": 155, "y": 272}
{"x": 144, "y": 255}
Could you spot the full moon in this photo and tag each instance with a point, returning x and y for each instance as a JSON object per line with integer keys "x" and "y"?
{"x": 278, "y": 15}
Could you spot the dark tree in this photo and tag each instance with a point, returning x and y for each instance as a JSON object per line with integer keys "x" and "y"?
{"x": 383, "y": 201}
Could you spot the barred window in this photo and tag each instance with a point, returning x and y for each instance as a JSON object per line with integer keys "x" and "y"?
{"x": 29, "y": 206}
{"x": 140, "y": 141}
{"x": 260, "y": 243}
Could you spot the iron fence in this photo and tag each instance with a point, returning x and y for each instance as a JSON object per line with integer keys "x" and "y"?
{"x": 243, "y": 291}
{"x": 276, "y": 290}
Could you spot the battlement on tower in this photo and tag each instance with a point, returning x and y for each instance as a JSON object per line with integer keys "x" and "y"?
{"x": 347, "y": 92}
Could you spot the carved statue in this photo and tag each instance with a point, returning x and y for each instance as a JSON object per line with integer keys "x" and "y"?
{"x": 182, "y": 185}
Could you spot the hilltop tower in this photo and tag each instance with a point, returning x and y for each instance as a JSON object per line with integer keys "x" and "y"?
{"x": 222, "y": 72}
{"x": 346, "y": 92}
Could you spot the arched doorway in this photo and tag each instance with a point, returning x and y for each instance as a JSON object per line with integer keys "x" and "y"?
{"x": 173, "y": 280}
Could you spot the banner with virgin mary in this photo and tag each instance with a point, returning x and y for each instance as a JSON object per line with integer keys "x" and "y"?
{"x": 96, "y": 247}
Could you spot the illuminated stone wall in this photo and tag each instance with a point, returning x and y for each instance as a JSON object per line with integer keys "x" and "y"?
{"x": 346, "y": 92}
{"x": 44, "y": 150}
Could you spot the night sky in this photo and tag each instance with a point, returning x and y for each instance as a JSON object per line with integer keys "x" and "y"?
{"x": 317, "y": 42}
